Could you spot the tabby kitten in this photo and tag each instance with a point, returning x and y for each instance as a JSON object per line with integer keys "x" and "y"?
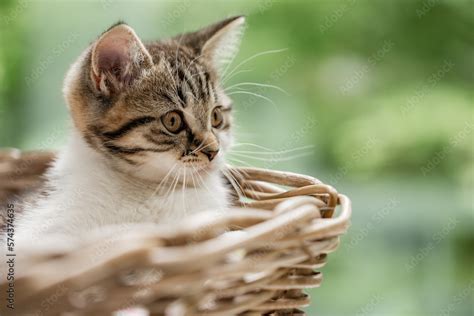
{"x": 151, "y": 126}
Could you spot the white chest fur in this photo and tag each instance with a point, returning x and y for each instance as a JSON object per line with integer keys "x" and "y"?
{"x": 87, "y": 194}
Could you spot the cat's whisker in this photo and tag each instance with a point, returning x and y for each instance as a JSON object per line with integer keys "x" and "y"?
{"x": 158, "y": 187}
{"x": 229, "y": 63}
{"x": 277, "y": 152}
{"x": 264, "y": 154}
{"x": 276, "y": 159}
{"x": 194, "y": 182}
{"x": 242, "y": 174}
{"x": 199, "y": 73}
{"x": 183, "y": 191}
{"x": 204, "y": 147}
{"x": 252, "y": 145}
{"x": 191, "y": 174}
{"x": 172, "y": 187}
{"x": 198, "y": 177}
{"x": 239, "y": 161}
{"x": 254, "y": 94}
{"x": 168, "y": 189}
{"x": 189, "y": 83}
{"x": 200, "y": 145}
{"x": 203, "y": 182}
{"x": 193, "y": 60}
{"x": 257, "y": 85}
{"x": 175, "y": 85}
{"x": 162, "y": 182}
{"x": 273, "y": 51}
{"x": 234, "y": 183}
{"x": 171, "y": 195}
{"x": 235, "y": 74}
{"x": 176, "y": 53}
{"x": 194, "y": 178}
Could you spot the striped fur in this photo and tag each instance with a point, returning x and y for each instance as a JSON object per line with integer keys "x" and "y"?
{"x": 125, "y": 122}
{"x": 123, "y": 164}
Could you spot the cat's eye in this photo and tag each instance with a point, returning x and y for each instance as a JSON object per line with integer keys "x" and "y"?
{"x": 217, "y": 119}
{"x": 172, "y": 121}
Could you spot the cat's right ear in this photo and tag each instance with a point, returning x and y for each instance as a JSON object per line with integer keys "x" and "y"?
{"x": 218, "y": 42}
{"x": 118, "y": 57}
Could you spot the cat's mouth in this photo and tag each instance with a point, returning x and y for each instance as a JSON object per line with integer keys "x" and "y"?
{"x": 195, "y": 164}
{"x": 190, "y": 160}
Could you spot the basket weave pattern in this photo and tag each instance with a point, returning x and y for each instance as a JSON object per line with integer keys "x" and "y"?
{"x": 255, "y": 259}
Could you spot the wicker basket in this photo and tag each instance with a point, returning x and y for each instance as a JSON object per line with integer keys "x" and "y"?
{"x": 287, "y": 225}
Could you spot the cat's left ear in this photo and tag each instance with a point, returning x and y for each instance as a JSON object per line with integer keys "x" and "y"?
{"x": 219, "y": 42}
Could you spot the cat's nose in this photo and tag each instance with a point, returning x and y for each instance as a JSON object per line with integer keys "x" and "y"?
{"x": 211, "y": 154}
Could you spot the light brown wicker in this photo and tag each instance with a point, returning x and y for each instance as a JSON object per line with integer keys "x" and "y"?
{"x": 282, "y": 231}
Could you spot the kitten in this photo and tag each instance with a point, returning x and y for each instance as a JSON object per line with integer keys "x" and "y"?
{"x": 151, "y": 126}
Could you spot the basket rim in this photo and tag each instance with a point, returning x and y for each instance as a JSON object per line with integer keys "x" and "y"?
{"x": 288, "y": 225}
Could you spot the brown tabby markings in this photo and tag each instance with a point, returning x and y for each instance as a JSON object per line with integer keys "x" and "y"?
{"x": 126, "y": 125}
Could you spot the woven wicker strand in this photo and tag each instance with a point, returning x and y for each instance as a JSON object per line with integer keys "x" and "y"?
{"x": 256, "y": 259}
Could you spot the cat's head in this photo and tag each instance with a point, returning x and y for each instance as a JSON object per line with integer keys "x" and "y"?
{"x": 152, "y": 107}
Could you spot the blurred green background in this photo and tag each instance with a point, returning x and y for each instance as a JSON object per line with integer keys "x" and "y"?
{"x": 382, "y": 90}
